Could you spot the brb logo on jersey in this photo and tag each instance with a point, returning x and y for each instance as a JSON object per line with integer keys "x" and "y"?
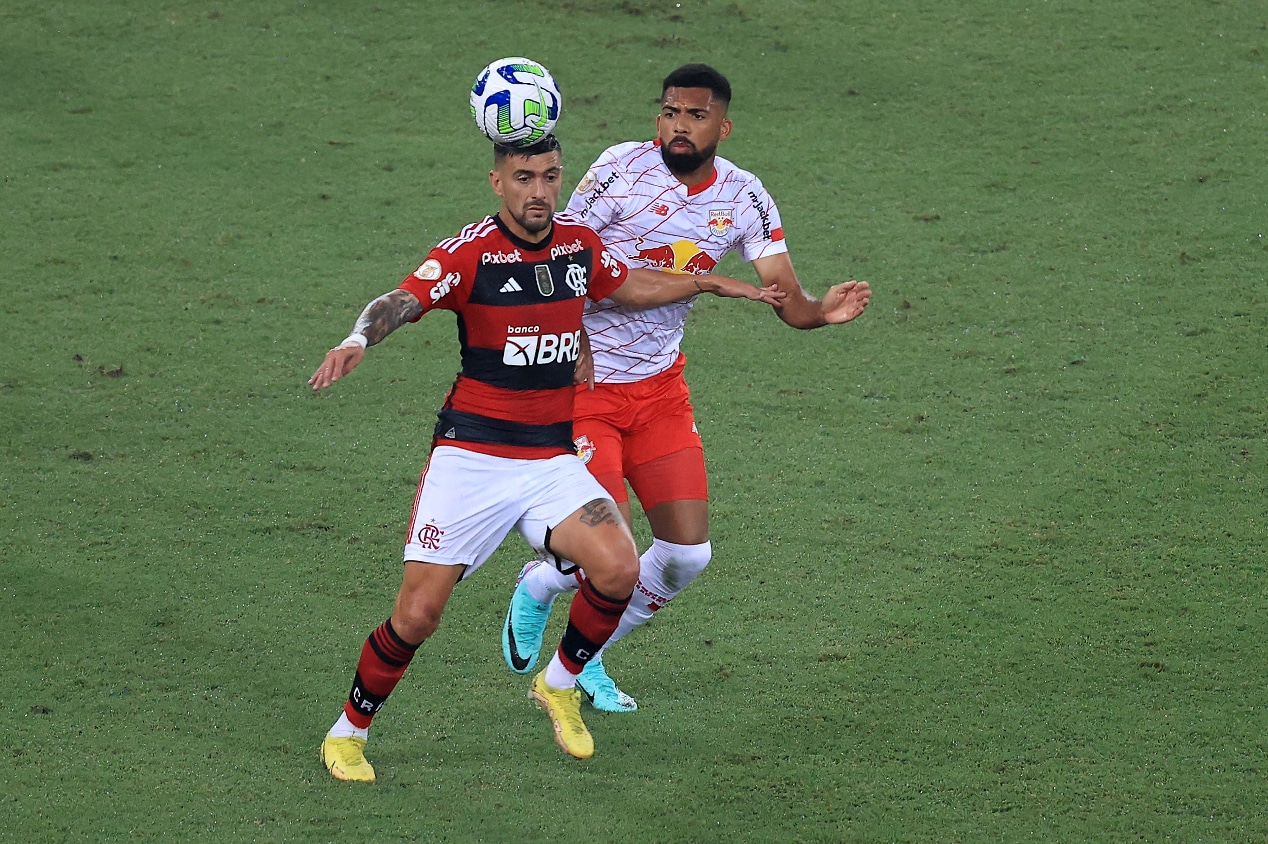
{"x": 527, "y": 346}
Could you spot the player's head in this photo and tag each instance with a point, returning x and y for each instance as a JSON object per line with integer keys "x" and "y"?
{"x": 699, "y": 76}
{"x": 692, "y": 120}
{"x": 528, "y": 180}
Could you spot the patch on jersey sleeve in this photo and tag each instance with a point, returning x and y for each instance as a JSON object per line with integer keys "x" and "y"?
{"x": 429, "y": 270}
{"x": 587, "y": 182}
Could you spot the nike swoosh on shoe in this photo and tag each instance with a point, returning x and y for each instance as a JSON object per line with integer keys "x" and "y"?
{"x": 520, "y": 663}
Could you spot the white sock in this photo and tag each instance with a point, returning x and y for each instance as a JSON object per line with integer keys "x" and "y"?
{"x": 557, "y": 676}
{"x": 664, "y": 571}
{"x": 344, "y": 728}
{"x": 544, "y": 583}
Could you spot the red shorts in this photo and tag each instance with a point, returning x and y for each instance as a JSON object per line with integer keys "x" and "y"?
{"x": 644, "y": 432}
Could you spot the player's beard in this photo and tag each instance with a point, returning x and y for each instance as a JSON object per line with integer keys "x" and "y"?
{"x": 534, "y": 225}
{"x": 684, "y": 163}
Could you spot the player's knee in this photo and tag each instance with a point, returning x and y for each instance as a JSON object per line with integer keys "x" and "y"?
{"x": 615, "y": 574}
{"x": 622, "y": 575}
{"x": 415, "y": 621}
{"x": 680, "y": 564}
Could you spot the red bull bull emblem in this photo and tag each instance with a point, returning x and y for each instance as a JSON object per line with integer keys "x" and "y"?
{"x": 720, "y": 220}
{"x": 585, "y": 448}
{"x": 655, "y": 257}
{"x": 681, "y": 256}
{"x": 699, "y": 263}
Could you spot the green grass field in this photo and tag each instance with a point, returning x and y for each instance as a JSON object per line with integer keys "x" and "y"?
{"x": 989, "y": 562}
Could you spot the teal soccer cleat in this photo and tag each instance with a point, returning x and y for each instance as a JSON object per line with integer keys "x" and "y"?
{"x": 524, "y": 627}
{"x": 601, "y": 690}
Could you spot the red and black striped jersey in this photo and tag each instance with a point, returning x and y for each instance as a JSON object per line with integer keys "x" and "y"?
{"x": 519, "y": 307}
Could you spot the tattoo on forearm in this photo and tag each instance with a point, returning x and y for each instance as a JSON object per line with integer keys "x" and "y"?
{"x": 386, "y": 314}
{"x": 597, "y": 513}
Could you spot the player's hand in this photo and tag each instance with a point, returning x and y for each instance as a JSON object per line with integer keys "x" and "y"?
{"x": 733, "y": 288}
{"x": 339, "y": 362}
{"x": 584, "y": 372}
{"x": 845, "y": 301}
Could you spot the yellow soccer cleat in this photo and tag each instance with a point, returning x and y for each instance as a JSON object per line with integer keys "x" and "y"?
{"x": 345, "y": 759}
{"x": 564, "y": 708}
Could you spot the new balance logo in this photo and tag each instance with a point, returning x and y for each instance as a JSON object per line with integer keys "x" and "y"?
{"x": 660, "y": 209}
{"x": 511, "y": 286}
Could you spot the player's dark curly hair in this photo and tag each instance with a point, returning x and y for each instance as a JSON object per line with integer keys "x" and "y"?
{"x": 546, "y": 145}
{"x": 698, "y": 76}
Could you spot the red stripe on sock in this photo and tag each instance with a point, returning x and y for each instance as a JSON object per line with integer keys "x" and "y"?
{"x": 384, "y": 658}
{"x": 591, "y": 622}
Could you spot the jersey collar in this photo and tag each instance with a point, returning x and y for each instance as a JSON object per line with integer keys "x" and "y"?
{"x": 521, "y": 242}
{"x": 705, "y": 185}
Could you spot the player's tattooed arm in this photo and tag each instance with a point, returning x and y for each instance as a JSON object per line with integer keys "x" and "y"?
{"x": 379, "y": 319}
{"x": 386, "y": 314}
{"x": 599, "y": 512}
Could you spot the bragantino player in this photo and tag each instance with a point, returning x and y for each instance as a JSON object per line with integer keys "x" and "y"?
{"x": 670, "y": 204}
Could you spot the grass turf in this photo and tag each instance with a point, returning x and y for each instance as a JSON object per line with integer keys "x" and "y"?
{"x": 988, "y": 561}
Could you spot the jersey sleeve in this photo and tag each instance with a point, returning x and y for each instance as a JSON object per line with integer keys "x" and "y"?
{"x": 609, "y": 271}
{"x": 443, "y": 282}
{"x": 763, "y": 232}
{"x": 595, "y": 201}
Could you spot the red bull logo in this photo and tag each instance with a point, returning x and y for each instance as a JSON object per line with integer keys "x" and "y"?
{"x": 700, "y": 263}
{"x": 585, "y": 448}
{"x": 681, "y": 256}
{"x": 720, "y": 220}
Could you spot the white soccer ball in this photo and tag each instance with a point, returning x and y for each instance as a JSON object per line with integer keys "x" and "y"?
{"x": 515, "y": 101}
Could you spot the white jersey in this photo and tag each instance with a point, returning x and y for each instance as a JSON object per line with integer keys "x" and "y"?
{"x": 645, "y": 214}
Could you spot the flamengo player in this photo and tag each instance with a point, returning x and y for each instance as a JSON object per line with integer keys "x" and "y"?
{"x": 502, "y": 456}
{"x": 670, "y": 204}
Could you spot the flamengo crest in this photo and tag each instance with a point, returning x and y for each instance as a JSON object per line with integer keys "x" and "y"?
{"x": 576, "y": 279}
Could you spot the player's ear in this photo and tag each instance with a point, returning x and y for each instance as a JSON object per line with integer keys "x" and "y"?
{"x": 495, "y": 182}
{"x": 726, "y": 129}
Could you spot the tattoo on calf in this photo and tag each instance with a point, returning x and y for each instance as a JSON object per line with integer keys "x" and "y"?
{"x": 598, "y": 512}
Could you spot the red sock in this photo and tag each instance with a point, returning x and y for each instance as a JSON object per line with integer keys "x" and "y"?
{"x": 591, "y": 622}
{"x": 384, "y": 658}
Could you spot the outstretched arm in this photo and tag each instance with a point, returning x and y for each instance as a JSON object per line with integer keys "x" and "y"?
{"x": 379, "y": 319}
{"x": 647, "y": 288}
{"x": 842, "y": 303}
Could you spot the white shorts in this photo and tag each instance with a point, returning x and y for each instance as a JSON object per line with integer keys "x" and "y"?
{"x": 468, "y": 502}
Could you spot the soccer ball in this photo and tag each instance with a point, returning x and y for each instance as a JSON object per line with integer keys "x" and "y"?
{"x": 515, "y": 101}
